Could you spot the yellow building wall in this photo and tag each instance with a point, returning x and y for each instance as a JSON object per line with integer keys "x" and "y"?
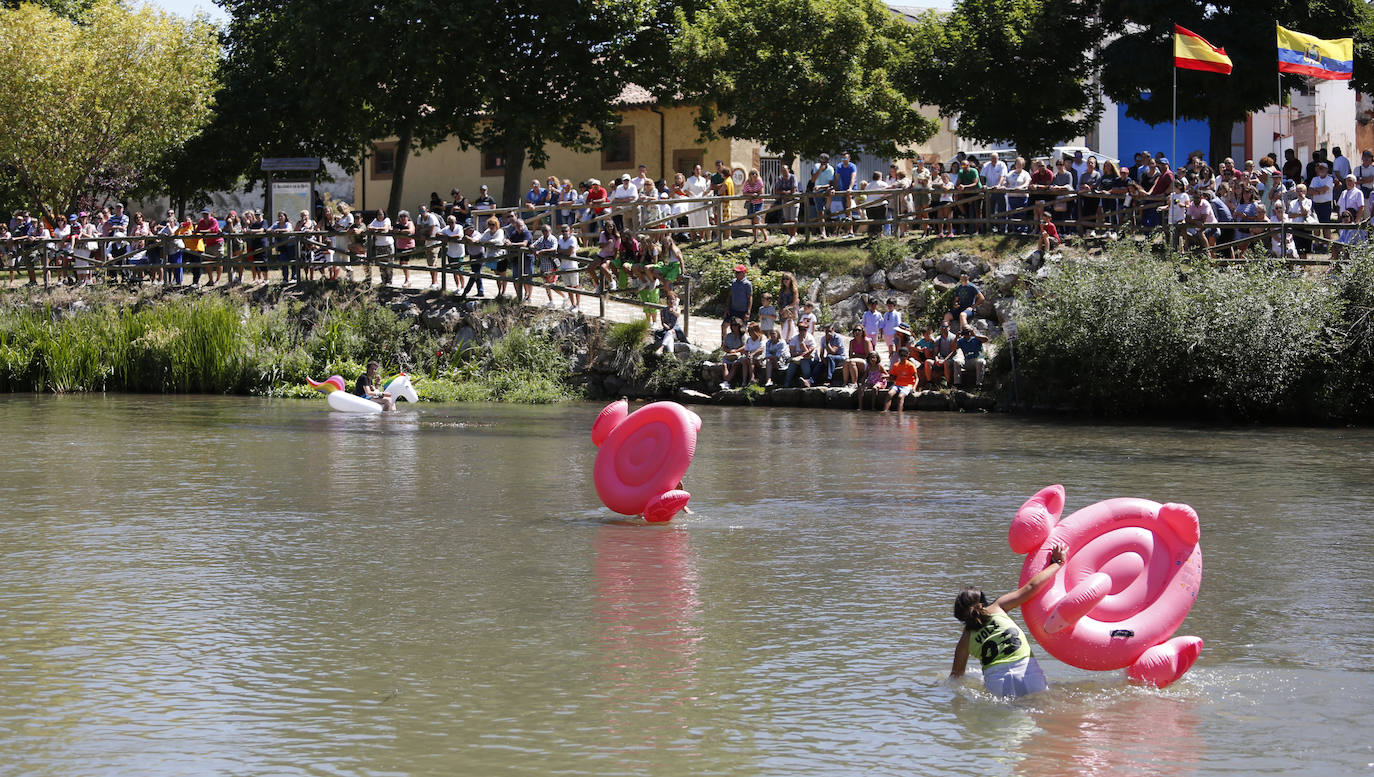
{"x": 662, "y": 143}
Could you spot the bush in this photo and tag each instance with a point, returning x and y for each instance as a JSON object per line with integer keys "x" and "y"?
{"x": 1122, "y": 336}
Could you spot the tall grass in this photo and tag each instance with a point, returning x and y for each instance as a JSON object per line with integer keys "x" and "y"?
{"x": 218, "y": 345}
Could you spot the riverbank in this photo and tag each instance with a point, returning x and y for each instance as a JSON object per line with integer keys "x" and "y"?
{"x": 1116, "y": 329}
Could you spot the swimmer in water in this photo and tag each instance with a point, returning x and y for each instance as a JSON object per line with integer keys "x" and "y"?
{"x": 1009, "y": 669}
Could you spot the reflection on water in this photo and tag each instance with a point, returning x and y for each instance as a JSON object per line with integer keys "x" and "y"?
{"x": 231, "y": 586}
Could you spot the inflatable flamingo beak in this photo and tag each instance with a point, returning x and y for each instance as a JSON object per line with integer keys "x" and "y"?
{"x": 663, "y": 507}
{"x": 1078, "y": 602}
{"x": 1164, "y": 663}
{"x": 1031, "y": 526}
{"x": 609, "y": 418}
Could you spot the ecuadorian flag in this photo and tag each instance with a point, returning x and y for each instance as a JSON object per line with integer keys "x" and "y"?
{"x": 1193, "y": 52}
{"x": 1333, "y": 60}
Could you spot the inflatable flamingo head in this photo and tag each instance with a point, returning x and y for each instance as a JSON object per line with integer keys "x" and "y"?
{"x": 1131, "y": 574}
{"x": 643, "y": 457}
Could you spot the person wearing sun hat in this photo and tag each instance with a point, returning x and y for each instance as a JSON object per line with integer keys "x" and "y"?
{"x": 739, "y": 301}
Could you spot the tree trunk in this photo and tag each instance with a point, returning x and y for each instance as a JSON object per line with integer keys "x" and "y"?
{"x": 398, "y": 172}
{"x": 1218, "y": 140}
{"x": 515, "y": 173}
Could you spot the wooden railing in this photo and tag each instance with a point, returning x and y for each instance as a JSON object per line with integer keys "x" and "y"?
{"x": 134, "y": 259}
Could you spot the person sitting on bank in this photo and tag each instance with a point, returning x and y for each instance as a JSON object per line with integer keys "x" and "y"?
{"x": 1009, "y": 669}
{"x": 903, "y": 374}
{"x": 970, "y": 356}
{"x": 967, "y": 297}
{"x": 367, "y": 387}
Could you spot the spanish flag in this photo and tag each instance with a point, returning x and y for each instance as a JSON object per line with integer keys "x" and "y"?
{"x": 1192, "y": 52}
{"x": 1333, "y": 60}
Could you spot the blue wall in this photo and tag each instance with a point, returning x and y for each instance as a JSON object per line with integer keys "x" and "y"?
{"x": 1134, "y": 135}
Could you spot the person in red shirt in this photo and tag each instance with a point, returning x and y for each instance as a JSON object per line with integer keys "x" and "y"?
{"x": 1049, "y": 233}
{"x": 903, "y": 374}
{"x": 214, "y": 246}
{"x": 597, "y": 198}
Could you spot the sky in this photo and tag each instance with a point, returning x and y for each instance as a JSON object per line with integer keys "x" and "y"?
{"x": 191, "y": 7}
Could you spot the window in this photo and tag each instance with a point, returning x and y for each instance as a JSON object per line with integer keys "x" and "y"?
{"x": 383, "y": 161}
{"x": 618, "y": 148}
{"x": 684, "y": 159}
{"x": 493, "y": 163}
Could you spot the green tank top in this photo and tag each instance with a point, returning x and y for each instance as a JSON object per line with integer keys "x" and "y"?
{"x": 999, "y": 641}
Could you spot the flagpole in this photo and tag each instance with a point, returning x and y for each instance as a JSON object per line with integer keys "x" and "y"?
{"x": 1173, "y": 151}
{"x": 1278, "y": 143}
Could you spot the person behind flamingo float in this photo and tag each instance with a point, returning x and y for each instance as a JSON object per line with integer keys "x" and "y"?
{"x": 1009, "y": 669}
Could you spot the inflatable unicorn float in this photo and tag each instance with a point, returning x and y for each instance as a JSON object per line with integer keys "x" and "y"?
{"x": 341, "y": 400}
{"x": 1131, "y": 574}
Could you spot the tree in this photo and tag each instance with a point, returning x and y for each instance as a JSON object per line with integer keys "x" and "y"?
{"x": 1138, "y": 66}
{"x": 561, "y": 69}
{"x": 70, "y": 118}
{"x": 328, "y": 77}
{"x": 1012, "y": 70}
{"x": 801, "y": 76}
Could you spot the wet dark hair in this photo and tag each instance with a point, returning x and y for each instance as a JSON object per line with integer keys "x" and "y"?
{"x": 969, "y": 607}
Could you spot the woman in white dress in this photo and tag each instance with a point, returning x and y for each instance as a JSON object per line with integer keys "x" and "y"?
{"x": 698, "y": 215}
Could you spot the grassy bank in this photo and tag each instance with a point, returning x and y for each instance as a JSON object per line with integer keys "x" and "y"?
{"x": 1131, "y": 335}
{"x": 237, "y": 344}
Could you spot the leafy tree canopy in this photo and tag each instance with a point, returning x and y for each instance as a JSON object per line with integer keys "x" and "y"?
{"x": 801, "y": 76}
{"x": 1137, "y": 66}
{"x": 71, "y": 119}
{"x": 1012, "y": 70}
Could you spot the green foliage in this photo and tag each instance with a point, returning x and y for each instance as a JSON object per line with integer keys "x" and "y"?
{"x": 987, "y": 52}
{"x": 1123, "y": 336}
{"x": 70, "y": 117}
{"x": 625, "y": 342}
{"x": 888, "y": 252}
{"x": 664, "y": 374}
{"x": 803, "y": 76}
{"x": 1137, "y": 69}
{"x": 215, "y": 345}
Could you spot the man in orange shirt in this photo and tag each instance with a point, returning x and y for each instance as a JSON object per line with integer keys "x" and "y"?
{"x": 903, "y": 373}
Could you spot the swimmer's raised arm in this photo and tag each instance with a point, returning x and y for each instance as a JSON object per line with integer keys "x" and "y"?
{"x": 1032, "y": 587}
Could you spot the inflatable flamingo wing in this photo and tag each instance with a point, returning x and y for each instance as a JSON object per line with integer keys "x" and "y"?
{"x": 1130, "y": 576}
{"x": 642, "y": 458}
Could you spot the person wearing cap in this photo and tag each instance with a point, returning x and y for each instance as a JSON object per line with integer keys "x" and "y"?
{"x": 624, "y": 196}
{"x": 739, "y": 300}
{"x": 484, "y": 200}
{"x": 1353, "y": 198}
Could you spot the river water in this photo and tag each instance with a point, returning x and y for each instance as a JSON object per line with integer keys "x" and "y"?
{"x": 232, "y": 586}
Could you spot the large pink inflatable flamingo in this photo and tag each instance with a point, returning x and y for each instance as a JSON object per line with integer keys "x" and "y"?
{"x": 643, "y": 456}
{"x": 1130, "y": 577}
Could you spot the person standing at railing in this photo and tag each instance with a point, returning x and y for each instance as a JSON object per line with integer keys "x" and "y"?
{"x": 429, "y": 225}
{"x": 458, "y": 207}
{"x": 626, "y": 194}
{"x": 994, "y": 174}
{"x": 567, "y": 264}
{"x": 492, "y": 239}
{"x": 597, "y": 199}
{"x": 1364, "y": 174}
{"x": 169, "y": 251}
{"x": 1301, "y": 210}
{"x": 567, "y": 198}
{"x": 285, "y": 248}
{"x": 1088, "y": 205}
{"x": 1352, "y": 198}
{"x": 484, "y": 200}
{"x": 212, "y": 246}
{"x": 648, "y": 198}
{"x": 753, "y": 190}
{"x": 534, "y": 198}
{"x": 405, "y": 241}
{"x": 36, "y": 236}
{"x": 785, "y": 194}
{"x": 967, "y": 184}
{"x": 1322, "y": 188}
{"x": 255, "y": 225}
{"x": 455, "y": 250}
{"x": 312, "y": 252}
{"x": 233, "y": 246}
{"x": 545, "y": 248}
{"x": 841, "y": 206}
{"x": 818, "y": 204}
{"x": 942, "y": 189}
{"x": 698, "y": 218}
{"x": 519, "y": 239}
